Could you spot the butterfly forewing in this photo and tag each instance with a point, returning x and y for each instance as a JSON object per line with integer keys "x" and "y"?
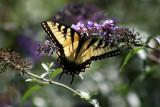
{"x": 64, "y": 37}
{"x": 60, "y": 33}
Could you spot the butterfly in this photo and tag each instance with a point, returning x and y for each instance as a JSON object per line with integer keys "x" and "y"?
{"x": 75, "y": 51}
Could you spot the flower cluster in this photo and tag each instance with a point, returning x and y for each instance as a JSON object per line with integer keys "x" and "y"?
{"x": 108, "y": 32}
{"x": 93, "y": 28}
{"x": 47, "y": 47}
{"x": 13, "y": 60}
{"x": 87, "y": 18}
{"x": 73, "y": 13}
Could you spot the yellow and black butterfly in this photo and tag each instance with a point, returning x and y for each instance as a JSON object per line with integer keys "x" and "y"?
{"x": 75, "y": 52}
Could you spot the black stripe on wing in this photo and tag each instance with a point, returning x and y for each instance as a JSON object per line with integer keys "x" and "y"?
{"x": 110, "y": 52}
{"x": 52, "y": 38}
{"x": 100, "y": 43}
{"x": 81, "y": 43}
{"x": 64, "y": 31}
{"x": 51, "y": 35}
{"x": 91, "y": 43}
{"x": 106, "y": 55}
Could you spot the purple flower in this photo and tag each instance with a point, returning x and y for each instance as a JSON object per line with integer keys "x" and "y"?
{"x": 47, "y": 42}
{"x": 28, "y": 47}
{"x": 87, "y": 18}
{"x": 73, "y": 26}
{"x": 90, "y": 24}
{"x": 74, "y": 13}
{"x": 80, "y": 24}
{"x": 106, "y": 31}
{"x": 47, "y": 47}
{"x": 108, "y": 23}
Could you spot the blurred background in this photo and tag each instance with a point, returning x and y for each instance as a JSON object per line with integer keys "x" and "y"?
{"x": 138, "y": 85}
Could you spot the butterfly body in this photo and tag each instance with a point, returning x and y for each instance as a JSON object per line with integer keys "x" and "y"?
{"x": 76, "y": 52}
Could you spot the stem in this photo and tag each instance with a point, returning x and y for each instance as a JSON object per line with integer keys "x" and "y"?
{"x": 55, "y": 83}
{"x": 52, "y": 82}
{"x": 146, "y": 45}
{"x": 49, "y": 81}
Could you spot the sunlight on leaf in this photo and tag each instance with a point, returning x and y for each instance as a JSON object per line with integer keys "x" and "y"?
{"x": 85, "y": 95}
{"x": 44, "y": 74}
{"x": 95, "y": 102}
{"x": 51, "y": 64}
{"x": 33, "y": 80}
{"x": 28, "y": 79}
{"x": 157, "y": 38}
{"x": 29, "y": 92}
{"x": 148, "y": 39}
{"x": 56, "y": 72}
{"x": 45, "y": 67}
{"x": 81, "y": 76}
{"x": 129, "y": 56}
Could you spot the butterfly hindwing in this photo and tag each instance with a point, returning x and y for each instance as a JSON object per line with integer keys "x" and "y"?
{"x": 96, "y": 49}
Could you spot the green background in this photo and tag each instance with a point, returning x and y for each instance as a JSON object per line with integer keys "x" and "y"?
{"x": 138, "y": 85}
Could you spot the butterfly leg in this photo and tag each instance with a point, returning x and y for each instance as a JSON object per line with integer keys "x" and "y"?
{"x": 72, "y": 78}
{"x": 61, "y": 75}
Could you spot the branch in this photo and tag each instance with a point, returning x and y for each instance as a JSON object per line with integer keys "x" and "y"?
{"x": 13, "y": 60}
{"x": 55, "y": 83}
{"x": 147, "y": 46}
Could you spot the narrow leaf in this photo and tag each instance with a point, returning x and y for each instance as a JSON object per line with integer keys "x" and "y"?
{"x": 44, "y": 74}
{"x": 95, "y": 102}
{"x": 157, "y": 38}
{"x": 33, "y": 80}
{"x": 51, "y": 64}
{"x": 56, "y": 72}
{"x": 81, "y": 76}
{"x": 28, "y": 79}
{"x": 129, "y": 56}
{"x": 148, "y": 39}
{"x": 29, "y": 92}
{"x": 45, "y": 67}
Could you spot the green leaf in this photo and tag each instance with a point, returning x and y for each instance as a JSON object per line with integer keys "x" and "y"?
{"x": 33, "y": 80}
{"x": 44, "y": 74}
{"x": 129, "y": 56}
{"x": 51, "y": 65}
{"x": 56, "y": 72}
{"x": 95, "y": 102}
{"x": 45, "y": 67}
{"x": 29, "y": 92}
{"x": 157, "y": 38}
{"x": 149, "y": 39}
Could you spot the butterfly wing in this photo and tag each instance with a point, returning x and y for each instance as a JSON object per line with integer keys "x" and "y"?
{"x": 94, "y": 49}
{"x": 75, "y": 52}
{"x": 65, "y": 38}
